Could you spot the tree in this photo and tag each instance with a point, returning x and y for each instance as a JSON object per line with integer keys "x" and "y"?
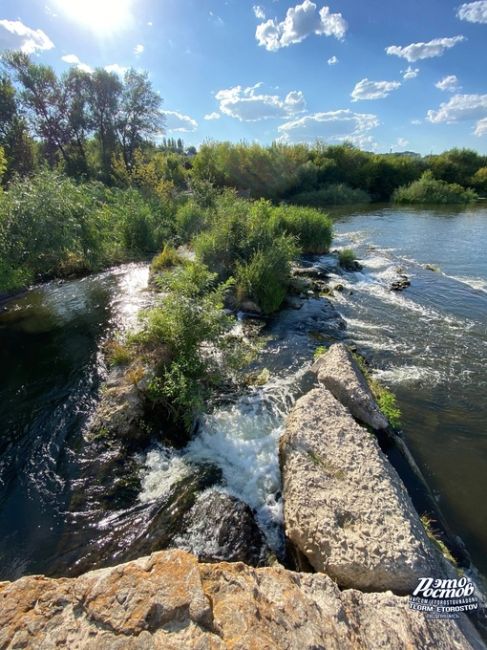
{"x": 14, "y": 137}
{"x": 77, "y": 86}
{"x": 104, "y": 94}
{"x": 139, "y": 115}
{"x": 43, "y": 98}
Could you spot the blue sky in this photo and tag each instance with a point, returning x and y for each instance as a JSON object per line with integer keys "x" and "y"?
{"x": 386, "y": 74}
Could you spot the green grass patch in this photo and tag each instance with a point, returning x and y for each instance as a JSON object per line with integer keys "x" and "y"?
{"x": 384, "y": 397}
{"x": 427, "y": 522}
{"x": 167, "y": 259}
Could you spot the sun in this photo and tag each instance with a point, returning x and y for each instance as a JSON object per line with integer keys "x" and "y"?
{"x": 102, "y": 16}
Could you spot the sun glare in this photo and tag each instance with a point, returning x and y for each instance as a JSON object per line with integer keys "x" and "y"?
{"x": 102, "y": 16}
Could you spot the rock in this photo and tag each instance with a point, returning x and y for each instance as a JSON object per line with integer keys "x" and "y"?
{"x": 313, "y": 272}
{"x": 329, "y": 263}
{"x": 120, "y": 411}
{"x": 345, "y": 507}
{"x": 339, "y": 372}
{"x": 250, "y": 307}
{"x": 220, "y": 527}
{"x": 402, "y": 283}
{"x": 168, "y": 600}
{"x": 300, "y": 284}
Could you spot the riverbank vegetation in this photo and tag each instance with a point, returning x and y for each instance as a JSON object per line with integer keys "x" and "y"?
{"x": 88, "y": 181}
{"x": 433, "y": 191}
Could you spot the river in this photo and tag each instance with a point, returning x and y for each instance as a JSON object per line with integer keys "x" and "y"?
{"x": 427, "y": 343}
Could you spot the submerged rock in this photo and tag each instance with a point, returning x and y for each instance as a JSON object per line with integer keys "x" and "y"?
{"x": 170, "y": 601}
{"x": 220, "y": 527}
{"x": 402, "y": 283}
{"x": 339, "y": 372}
{"x": 345, "y": 507}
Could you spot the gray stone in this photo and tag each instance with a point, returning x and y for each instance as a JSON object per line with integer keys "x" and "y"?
{"x": 339, "y": 372}
{"x": 345, "y": 507}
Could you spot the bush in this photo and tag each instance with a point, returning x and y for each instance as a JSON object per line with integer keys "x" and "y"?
{"x": 190, "y": 220}
{"x": 183, "y": 322}
{"x": 265, "y": 277}
{"x": 333, "y": 194}
{"x": 430, "y": 190}
{"x": 311, "y": 228}
{"x": 238, "y": 229}
{"x": 167, "y": 258}
{"x": 347, "y": 259}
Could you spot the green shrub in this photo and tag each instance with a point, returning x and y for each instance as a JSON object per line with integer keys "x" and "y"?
{"x": 333, "y": 194}
{"x": 190, "y": 220}
{"x": 265, "y": 277}
{"x": 190, "y": 280}
{"x": 117, "y": 354}
{"x": 347, "y": 259}
{"x": 167, "y": 258}
{"x": 312, "y": 228}
{"x": 430, "y": 190}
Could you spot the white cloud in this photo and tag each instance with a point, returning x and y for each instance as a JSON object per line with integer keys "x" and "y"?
{"x": 416, "y": 122}
{"x": 333, "y": 126}
{"x": 117, "y": 69}
{"x": 332, "y": 60}
{"x": 366, "y": 89}
{"x": 251, "y": 105}
{"x": 473, "y": 12}
{"x": 418, "y": 51}
{"x": 410, "y": 73}
{"x": 449, "y": 83}
{"x": 17, "y": 36}
{"x": 179, "y": 122}
{"x": 481, "y": 127}
{"x": 259, "y": 12}
{"x": 138, "y": 49}
{"x": 150, "y": 23}
{"x": 72, "y": 59}
{"x": 212, "y": 116}
{"x": 300, "y": 22}
{"x": 402, "y": 142}
{"x": 461, "y": 108}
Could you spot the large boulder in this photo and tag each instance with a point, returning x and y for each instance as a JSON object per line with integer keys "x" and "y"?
{"x": 339, "y": 372}
{"x": 170, "y": 601}
{"x": 220, "y": 527}
{"x": 345, "y": 507}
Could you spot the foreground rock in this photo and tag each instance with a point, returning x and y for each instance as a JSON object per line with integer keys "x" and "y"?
{"x": 170, "y": 601}
{"x": 339, "y": 372}
{"x": 345, "y": 507}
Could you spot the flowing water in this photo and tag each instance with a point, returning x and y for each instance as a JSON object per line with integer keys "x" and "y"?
{"x": 57, "y": 507}
{"x": 429, "y": 344}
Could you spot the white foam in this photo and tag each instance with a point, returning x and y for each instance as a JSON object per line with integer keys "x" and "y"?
{"x": 162, "y": 469}
{"x": 480, "y": 284}
{"x": 242, "y": 440}
{"x": 409, "y": 375}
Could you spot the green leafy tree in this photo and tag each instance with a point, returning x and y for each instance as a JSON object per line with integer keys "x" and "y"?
{"x": 139, "y": 116}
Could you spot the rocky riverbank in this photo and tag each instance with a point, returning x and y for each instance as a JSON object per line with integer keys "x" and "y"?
{"x": 169, "y": 600}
